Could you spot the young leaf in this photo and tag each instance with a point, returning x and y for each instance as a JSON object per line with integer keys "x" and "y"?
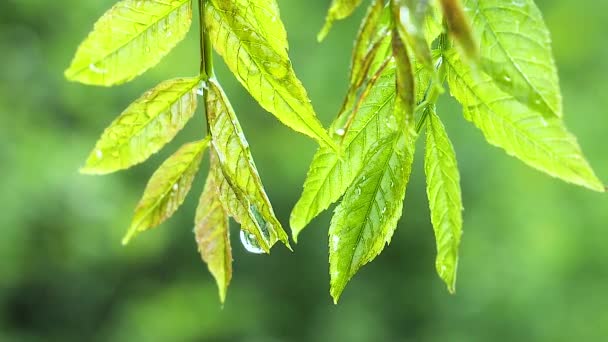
{"x": 256, "y": 53}
{"x": 330, "y": 175}
{"x": 459, "y": 27}
{"x": 130, "y": 38}
{"x": 410, "y": 22}
{"x": 339, "y": 9}
{"x": 367, "y": 216}
{"x": 144, "y": 127}
{"x": 541, "y": 142}
{"x": 374, "y": 28}
{"x": 213, "y": 236}
{"x": 515, "y": 49}
{"x": 445, "y": 201}
{"x": 406, "y": 88}
{"x": 167, "y": 188}
{"x": 238, "y": 167}
{"x": 372, "y": 48}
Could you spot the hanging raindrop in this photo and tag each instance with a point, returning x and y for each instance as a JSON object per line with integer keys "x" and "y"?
{"x": 250, "y": 243}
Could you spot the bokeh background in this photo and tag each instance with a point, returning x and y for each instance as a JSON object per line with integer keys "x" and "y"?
{"x": 534, "y": 261}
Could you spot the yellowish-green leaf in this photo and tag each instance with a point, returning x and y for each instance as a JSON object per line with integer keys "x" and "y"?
{"x": 167, "y": 188}
{"x": 144, "y": 127}
{"x": 374, "y": 28}
{"x": 445, "y": 200}
{"x": 515, "y": 49}
{"x": 233, "y": 205}
{"x": 213, "y": 236}
{"x": 250, "y": 37}
{"x": 338, "y": 10}
{"x": 133, "y": 36}
{"x": 459, "y": 26}
{"x": 330, "y": 175}
{"x": 366, "y": 218}
{"x": 372, "y": 48}
{"x": 239, "y": 169}
{"x": 541, "y": 142}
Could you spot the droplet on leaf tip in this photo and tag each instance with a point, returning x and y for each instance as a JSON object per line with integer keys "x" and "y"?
{"x": 250, "y": 243}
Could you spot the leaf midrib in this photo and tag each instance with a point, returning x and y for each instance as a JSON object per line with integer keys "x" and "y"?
{"x": 499, "y": 42}
{"x": 136, "y": 36}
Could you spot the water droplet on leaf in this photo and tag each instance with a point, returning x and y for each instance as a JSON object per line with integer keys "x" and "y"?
{"x": 250, "y": 243}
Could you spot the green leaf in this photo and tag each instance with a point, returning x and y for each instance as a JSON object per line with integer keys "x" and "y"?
{"x": 366, "y": 218}
{"x": 250, "y": 37}
{"x": 248, "y": 219}
{"x": 541, "y": 142}
{"x": 459, "y": 26}
{"x": 374, "y": 29}
{"x": 167, "y": 188}
{"x": 338, "y": 10}
{"x": 372, "y": 48}
{"x": 406, "y": 87}
{"x": 515, "y": 49}
{"x": 239, "y": 169}
{"x": 130, "y": 38}
{"x": 410, "y": 18}
{"x": 445, "y": 200}
{"x": 330, "y": 175}
{"x": 213, "y": 236}
{"x": 144, "y": 127}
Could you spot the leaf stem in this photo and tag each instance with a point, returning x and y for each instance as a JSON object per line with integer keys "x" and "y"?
{"x": 435, "y": 88}
{"x": 206, "y": 57}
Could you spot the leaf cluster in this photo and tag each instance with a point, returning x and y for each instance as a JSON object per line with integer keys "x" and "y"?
{"x": 495, "y": 56}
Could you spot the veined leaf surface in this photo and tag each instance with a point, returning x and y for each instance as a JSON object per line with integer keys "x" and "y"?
{"x": 213, "y": 236}
{"x": 339, "y": 9}
{"x": 250, "y": 37}
{"x": 167, "y": 188}
{"x": 445, "y": 200}
{"x": 330, "y": 175}
{"x": 144, "y": 127}
{"x": 364, "y": 222}
{"x": 515, "y": 49}
{"x": 248, "y": 220}
{"x": 130, "y": 38}
{"x": 238, "y": 167}
{"x": 541, "y": 142}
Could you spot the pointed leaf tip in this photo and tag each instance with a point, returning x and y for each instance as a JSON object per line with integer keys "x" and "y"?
{"x": 167, "y": 188}
{"x": 128, "y": 39}
{"x": 212, "y": 235}
{"x": 262, "y": 64}
{"x": 247, "y": 199}
{"x": 144, "y": 127}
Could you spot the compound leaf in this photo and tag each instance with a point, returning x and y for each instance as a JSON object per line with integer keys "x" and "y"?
{"x": 238, "y": 168}
{"x": 144, "y": 127}
{"x": 130, "y": 38}
{"x": 250, "y": 37}
{"x": 213, "y": 236}
{"x": 330, "y": 175}
{"x": 364, "y": 222}
{"x": 445, "y": 200}
{"x": 515, "y": 49}
{"x": 541, "y": 142}
{"x": 167, "y": 188}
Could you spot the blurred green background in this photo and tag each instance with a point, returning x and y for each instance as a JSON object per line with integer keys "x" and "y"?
{"x": 534, "y": 262}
